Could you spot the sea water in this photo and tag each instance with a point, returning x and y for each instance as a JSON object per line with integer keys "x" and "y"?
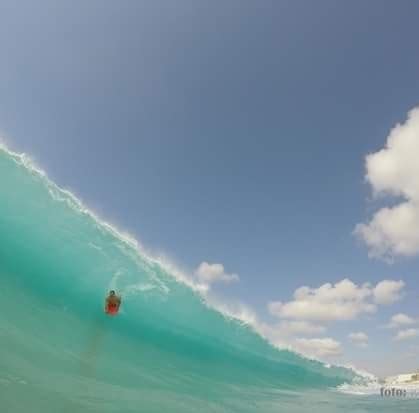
{"x": 167, "y": 350}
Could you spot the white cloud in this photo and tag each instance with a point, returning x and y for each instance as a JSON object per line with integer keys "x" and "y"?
{"x": 288, "y": 328}
{"x": 275, "y": 308}
{"x": 344, "y": 300}
{"x": 359, "y": 338}
{"x": 407, "y": 334}
{"x": 394, "y": 171}
{"x": 302, "y": 327}
{"x": 400, "y": 320}
{"x": 211, "y": 273}
{"x": 282, "y": 335}
{"x": 388, "y": 291}
{"x": 319, "y": 347}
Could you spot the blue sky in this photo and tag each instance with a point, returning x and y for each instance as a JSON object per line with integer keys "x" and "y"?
{"x": 226, "y": 132}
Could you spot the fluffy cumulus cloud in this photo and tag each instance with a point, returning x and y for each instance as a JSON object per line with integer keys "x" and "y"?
{"x": 212, "y": 273}
{"x": 407, "y": 334}
{"x": 287, "y": 328}
{"x": 394, "y": 171}
{"x": 344, "y": 300}
{"x": 359, "y": 338}
{"x": 301, "y": 327}
{"x": 312, "y": 309}
{"x": 400, "y": 320}
{"x": 319, "y": 347}
{"x": 388, "y": 291}
{"x": 292, "y": 335}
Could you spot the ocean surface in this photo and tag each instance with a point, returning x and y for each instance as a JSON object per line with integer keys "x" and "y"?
{"x": 167, "y": 351}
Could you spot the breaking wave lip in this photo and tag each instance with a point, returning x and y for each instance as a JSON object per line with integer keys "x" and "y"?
{"x": 66, "y": 196}
{"x": 363, "y": 384}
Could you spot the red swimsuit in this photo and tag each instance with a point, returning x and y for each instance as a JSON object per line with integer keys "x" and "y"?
{"x": 112, "y": 309}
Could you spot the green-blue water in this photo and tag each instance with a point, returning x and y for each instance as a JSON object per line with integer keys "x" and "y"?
{"x": 166, "y": 352}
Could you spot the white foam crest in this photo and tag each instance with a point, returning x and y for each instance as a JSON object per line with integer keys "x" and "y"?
{"x": 364, "y": 384}
{"x": 365, "y": 375}
{"x": 369, "y": 389}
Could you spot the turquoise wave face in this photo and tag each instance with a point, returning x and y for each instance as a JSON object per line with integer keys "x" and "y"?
{"x": 167, "y": 351}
